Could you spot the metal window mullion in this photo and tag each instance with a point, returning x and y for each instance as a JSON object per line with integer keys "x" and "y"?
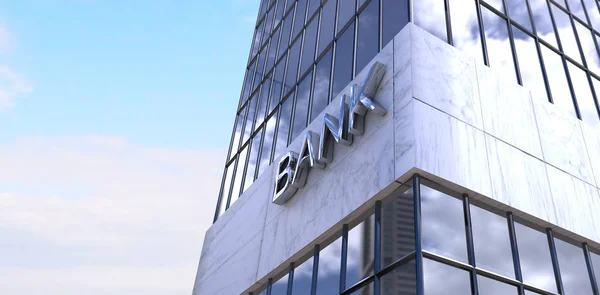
{"x": 555, "y": 265}
{"x": 470, "y": 244}
{"x": 269, "y": 286}
{"x": 290, "y": 284}
{"x": 486, "y": 60}
{"x": 515, "y": 251}
{"x": 590, "y": 267}
{"x": 417, "y": 228}
{"x": 344, "y": 256}
{"x": 315, "y": 272}
{"x": 448, "y": 23}
{"x": 237, "y": 160}
{"x": 588, "y": 71}
{"x": 377, "y": 249}
{"x": 539, "y": 53}
{"x": 380, "y": 46}
{"x": 513, "y": 47}
{"x": 260, "y": 144}
{"x": 220, "y": 196}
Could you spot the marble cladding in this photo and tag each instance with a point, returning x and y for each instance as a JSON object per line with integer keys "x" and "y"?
{"x": 451, "y": 119}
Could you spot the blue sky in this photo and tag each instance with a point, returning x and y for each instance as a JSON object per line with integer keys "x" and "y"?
{"x": 115, "y": 117}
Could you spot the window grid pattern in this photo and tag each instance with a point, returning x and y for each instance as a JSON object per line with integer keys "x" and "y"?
{"x": 302, "y": 53}
{"x": 413, "y": 261}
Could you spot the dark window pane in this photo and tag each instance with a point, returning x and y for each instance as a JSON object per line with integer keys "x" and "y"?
{"x": 327, "y": 25}
{"x": 360, "y": 252}
{"x": 292, "y": 70}
{"x": 542, "y": 21}
{"x": 519, "y": 13}
{"x": 558, "y": 81}
{"x": 267, "y": 144}
{"x": 498, "y": 44}
{"x": 529, "y": 63}
{"x": 496, "y": 4}
{"x": 239, "y": 175}
{"x": 492, "y": 242}
{"x": 302, "y": 103}
{"x": 247, "y": 85}
{"x": 596, "y": 263}
{"x": 400, "y": 281}
{"x": 465, "y": 29}
{"x": 573, "y": 269}
{"x": 431, "y": 16}
{"x": 260, "y": 66}
{"x": 277, "y": 84}
{"x": 346, "y": 11}
{"x": 534, "y": 255}
{"x": 589, "y": 48}
{"x": 261, "y": 112}
{"x": 328, "y": 281}
{"x": 322, "y": 82}
{"x": 489, "y": 286}
{"x": 443, "y": 224}
{"x": 456, "y": 281}
{"x": 289, "y": 4}
{"x": 283, "y": 129}
{"x": 235, "y": 141}
{"x": 257, "y": 40}
{"x": 279, "y": 13}
{"x": 272, "y": 51}
{"x": 252, "y": 161}
{"x": 303, "y": 278}
{"x": 583, "y": 92}
{"x": 361, "y": 3}
{"x": 313, "y": 5}
{"x": 280, "y": 287}
{"x": 300, "y": 17}
{"x": 249, "y": 119}
{"x": 577, "y": 9}
{"x": 268, "y": 25}
{"x": 344, "y": 55}
{"x": 225, "y": 189}
{"x": 566, "y": 34}
{"x": 368, "y": 35}
{"x": 397, "y": 227}
{"x": 310, "y": 43}
{"x": 285, "y": 35}
{"x": 263, "y": 8}
{"x": 395, "y": 17}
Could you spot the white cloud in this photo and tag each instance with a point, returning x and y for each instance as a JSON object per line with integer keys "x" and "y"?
{"x": 103, "y": 215}
{"x": 12, "y": 86}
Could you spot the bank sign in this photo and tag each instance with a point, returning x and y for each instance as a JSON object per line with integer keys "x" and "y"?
{"x": 317, "y": 150}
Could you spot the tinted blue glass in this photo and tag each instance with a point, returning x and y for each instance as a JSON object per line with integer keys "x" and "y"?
{"x": 303, "y": 278}
{"x": 346, "y": 11}
{"x": 322, "y": 83}
{"x": 327, "y": 25}
{"x": 310, "y": 43}
{"x": 283, "y": 129}
{"x": 239, "y": 125}
{"x": 431, "y": 16}
{"x": 344, "y": 55}
{"x": 265, "y": 154}
{"x": 250, "y": 118}
{"x": 360, "y": 252}
{"x": 489, "y": 286}
{"x": 263, "y": 99}
{"x": 276, "y": 89}
{"x": 400, "y": 281}
{"x": 252, "y": 161}
{"x": 456, "y": 281}
{"x": 573, "y": 269}
{"x": 279, "y": 13}
{"x": 395, "y": 17}
{"x": 292, "y": 68}
{"x": 299, "y": 21}
{"x": 313, "y": 6}
{"x": 285, "y": 35}
{"x": 328, "y": 280}
{"x": 465, "y": 29}
{"x": 368, "y": 35}
{"x": 272, "y": 51}
{"x": 280, "y": 287}
{"x": 302, "y": 104}
{"x": 492, "y": 242}
{"x": 534, "y": 254}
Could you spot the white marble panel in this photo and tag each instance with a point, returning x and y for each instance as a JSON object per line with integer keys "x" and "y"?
{"x": 451, "y": 149}
{"x": 562, "y": 141}
{"x": 591, "y": 136}
{"x": 577, "y": 204}
{"x": 233, "y": 275}
{"x": 444, "y": 77}
{"x": 519, "y": 180}
{"x": 508, "y": 111}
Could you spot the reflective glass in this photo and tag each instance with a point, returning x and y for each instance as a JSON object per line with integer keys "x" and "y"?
{"x": 542, "y": 21}
{"x": 247, "y": 85}
{"x": 566, "y": 34}
{"x": 456, "y": 281}
{"x": 268, "y": 25}
{"x": 492, "y": 242}
{"x": 596, "y": 264}
{"x": 280, "y": 287}
{"x": 534, "y": 255}
{"x": 322, "y": 82}
{"x": 360, "y": 252}
{"x": 302, "y": 104}
{"x": 313, "y": 5}
{"x": 260, "y": 66}
{"x": 261, "y": 111}
{"x": 529, "y": 64}
{"x": 253, "y": 159}
{"x": 583, "y": 93}
{"x": 285, "y": 35}
{"x": 310, "y": 43}
{"x": 328, "y": 279}
{"x": 557, "y": 80}
{"x": 577, "y": 9}
{"x": 292, "y": 68}
{"x": 431, "y": 16}
{"x": 498, "y": 44}
{"x": 239, "y": 175}
{"x": 397, "y": 227}
{"x": 368, "y": 289}
{"x": 368, "y": 35}
{"x": 303, "y": 278}
{"x": 573, "y": 269}
{"x": 496, "y": 4}
{"x": 344, "y": 55}
{"x": 592, "y": 10}
{"x": 279, "y": 13}
{"x": 265, "y": 157}
{"x": 272, "y": 55}
{"x": 589, "y": 48}
{"x": 299, "y": 20}
{"x": 489, "y": 286}
{"x": 277, "y": 84}
{"x": 225, "y": 190}
{"x": 465, "y": 27}
{"x": 518, "y": 12}
{"x": 263, "y": 292}
{"x": 443, "y": 224}
{"x": 235, "y": 144}
{"x": 257, "y": 40}
{"x": 400, "y": 281}
{"x": 249, "y": 119}
{"x": 283, "y": 129}
{"x": 327, "y": 25}
{"x": 394, "y": 18}
{"x": 346, "y": 11}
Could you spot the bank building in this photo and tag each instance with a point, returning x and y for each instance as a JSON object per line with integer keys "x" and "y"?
{"x": 413, "y": 147}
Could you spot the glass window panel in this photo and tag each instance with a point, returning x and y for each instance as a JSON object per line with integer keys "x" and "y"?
{"x": 489, "y": 286}
{"x": 239, "y": 175}
{"x": 589, "y": 48}
{"x": 289, "y": 4}
{"x": 395, "y": 17}
{"x": 443, "y": 224}
{"x": 272, "y": 51}
{"x": 249, "y": 119}
{"x": 368, "y": 35}
{"x": 592, "y": 10}
{"x": 529, "y": 64}
{"x": 260, "y": 66}
{"x": 573, "y": 269}
{"x": 498, "y": 44}
{"x": 368, "y": 289}
{"x": 285, "y": 35}
{"x": 277, "y": 84}
{"x": 566, "y": 34}
{"x": 456, "y": 281}
{"x": 283, "y": 129}
{"x": 346, "y": 11}
{"x": 327, "y": 25}
{"x": 280, "y": 287}
{"x": 265, "y": 157}
{"x": 518, "y": 12}
{"x": 252, "y": 160}
{"x": 261, "y": 112}
{"x": 496, "y": 4}
{"x": 360, "y": 252}
{"x": 225, "y": 190}
{"x": 465, "y": 27}
{"x": 577, "y": 9}
{"x": 328, "y": 280}
{"x": 534, "y": 255}
{"x": 263, "y": 292}
{"x": 492, "y": 242}
{"x": 278, "y": 13}
{"x": 361, "y": 3}
{"x": 583, "y": 93}
{"x": 397, "y": 227}
{"x": 300, "y": 17}
{"x": 557, "y": 80}
{"x": 542, "y": 21}
{"x": 344, "y": 55}
{"x": 235, "y": 144}
{"x": 263, "y": 7}
{"x": 268, "y": 25}
{"x": 310, "y": 43}
{"x": 322, "y": 82}
{"x": 400, "y": 281}
{"x": 292, "y": 70}
{"x": 247, "y": 85}
{"x": 431, "y": 16}
{"x": 313, "y": 5}
{"x": 257, "y": 40}
{"x": 302, "y": 104}
{"x": 596, "y": 264}
{"x": 303, "y": 278}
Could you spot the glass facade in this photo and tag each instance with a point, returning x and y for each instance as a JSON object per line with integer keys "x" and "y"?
{"x": 425, "y": 239}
